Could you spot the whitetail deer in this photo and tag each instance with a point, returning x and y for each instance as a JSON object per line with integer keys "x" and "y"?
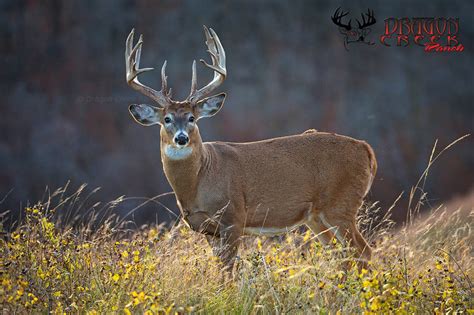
{"x": 226, "y": 190}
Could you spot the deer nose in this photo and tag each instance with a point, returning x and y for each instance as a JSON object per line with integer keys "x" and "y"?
{"x": 181, "y": 139}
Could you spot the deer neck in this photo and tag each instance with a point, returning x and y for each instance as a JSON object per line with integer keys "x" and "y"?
{"x": 182, "y": 168}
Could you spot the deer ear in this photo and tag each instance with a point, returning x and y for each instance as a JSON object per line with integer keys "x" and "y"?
{"x": 210, "y": 106}
{"x": 146, "y": 115}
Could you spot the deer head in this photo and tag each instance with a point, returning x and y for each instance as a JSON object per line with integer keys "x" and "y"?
{"x": 176, "y": 118}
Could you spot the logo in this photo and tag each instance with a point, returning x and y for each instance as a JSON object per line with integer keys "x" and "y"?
{"x": 354, "y": 35}
{"x": 434, "y": 34}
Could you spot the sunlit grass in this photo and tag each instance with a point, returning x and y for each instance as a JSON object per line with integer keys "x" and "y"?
{"x": 427, "y": 268}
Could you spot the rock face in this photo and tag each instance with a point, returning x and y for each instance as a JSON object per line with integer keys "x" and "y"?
{"x": 64, "y": 97}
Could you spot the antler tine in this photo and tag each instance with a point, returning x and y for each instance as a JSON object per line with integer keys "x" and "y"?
{"x": 363, "y": 20}
{"x": 221, "y": 53}
{"x": 370, "y": 19}
{"x": 193, "y": 80}
{"x": 211, "y": 48}
{"x": 216, "y": 50}
{"x": 164, "y": 80}
{"x": 342, "y": 13}
{"x": 337, "y": 19}
{"x": 132, "y": 66}
{"x": 128, "y": 42}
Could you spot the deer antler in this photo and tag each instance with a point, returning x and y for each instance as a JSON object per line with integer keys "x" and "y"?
{"x": 370, "y": 19}
{"x": 215, "y": 49}
{"x": 132, "y": 65}
{"x": 336, "y": 18}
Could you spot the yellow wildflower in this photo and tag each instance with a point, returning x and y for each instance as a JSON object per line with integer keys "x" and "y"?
{"x": 116, "y": 277}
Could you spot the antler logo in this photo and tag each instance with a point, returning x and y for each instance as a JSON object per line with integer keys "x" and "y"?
{"x": 354, "y": 35}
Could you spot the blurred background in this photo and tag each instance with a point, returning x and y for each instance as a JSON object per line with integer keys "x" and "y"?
{"x": 64, "y": 117}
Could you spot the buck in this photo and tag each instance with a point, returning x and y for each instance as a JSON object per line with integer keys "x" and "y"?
{"x": 225, "y": 190}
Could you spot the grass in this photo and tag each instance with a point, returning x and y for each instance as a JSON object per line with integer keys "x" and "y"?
{"x": 97, "y": 265}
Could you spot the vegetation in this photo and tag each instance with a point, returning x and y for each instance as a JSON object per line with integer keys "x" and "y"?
{"x": 426, "y": 268}
{"x": 98, "y": 266}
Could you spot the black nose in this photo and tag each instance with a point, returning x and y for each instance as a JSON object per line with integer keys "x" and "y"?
{"x": 181, "y": 139}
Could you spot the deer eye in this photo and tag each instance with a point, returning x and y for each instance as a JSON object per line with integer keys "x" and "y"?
{"x": 167, "y": 120}
{"x": 191, "y": 119}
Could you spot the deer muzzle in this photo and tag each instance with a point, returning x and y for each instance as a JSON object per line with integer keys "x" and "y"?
{"x": 181, "y": 139}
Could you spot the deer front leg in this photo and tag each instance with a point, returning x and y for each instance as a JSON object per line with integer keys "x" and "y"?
{"x": 225, "y": 246}
{"x": 225, "y": 240}
{"x": 214, "y": 242}
{"x": 228, "y": 247}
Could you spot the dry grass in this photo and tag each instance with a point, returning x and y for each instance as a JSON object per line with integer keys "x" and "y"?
{"x": 101, "y": 267}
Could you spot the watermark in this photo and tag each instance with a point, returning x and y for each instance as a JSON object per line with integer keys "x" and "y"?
{"x": 434, "y": 34}
{"x": 354, "y": 34}
{"x": 97, "y": 99}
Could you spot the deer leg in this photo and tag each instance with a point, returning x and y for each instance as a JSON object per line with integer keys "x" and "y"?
{"x": 228, "y": 247}
{"x": 175, "y": 231}
{"x": 347, "y": 233}
{"x": 323, "y": 234}
{"x": 364, "y": 247}
{"x": 214, "y": 242}
{"x": 364, "y": 252}
{"x": 334, "y": 228}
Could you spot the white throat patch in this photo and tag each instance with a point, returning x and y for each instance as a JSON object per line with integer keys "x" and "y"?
{"x": 174, "y": 153}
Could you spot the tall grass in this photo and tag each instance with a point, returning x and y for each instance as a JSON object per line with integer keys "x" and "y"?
{"x": 68, "y": 256}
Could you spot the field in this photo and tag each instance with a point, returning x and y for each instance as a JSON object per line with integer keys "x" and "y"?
{"x": 426, "y": 267}
{"x": 96, "y": 265}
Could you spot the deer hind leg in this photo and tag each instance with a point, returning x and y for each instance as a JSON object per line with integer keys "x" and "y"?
{"x": 323, "y": 234}
{"x": 348, "y": 234}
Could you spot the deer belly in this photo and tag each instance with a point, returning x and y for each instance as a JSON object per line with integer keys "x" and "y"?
{"x": 270, "y": 231}
{"x": 268, "y": 222}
